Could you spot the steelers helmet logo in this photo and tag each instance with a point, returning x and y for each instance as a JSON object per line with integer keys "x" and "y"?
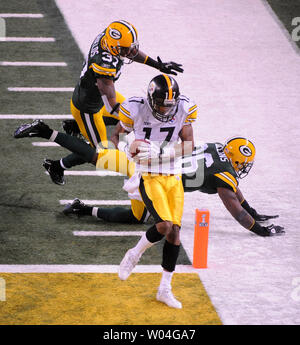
{"x": 245, "y": 150}
{"x": 151, "y": 88}
{"x": 115, "y": 34}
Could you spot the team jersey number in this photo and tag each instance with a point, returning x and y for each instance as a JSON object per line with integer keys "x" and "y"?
{"x": 191, "y": 163}
{"x": 168, "y": 130}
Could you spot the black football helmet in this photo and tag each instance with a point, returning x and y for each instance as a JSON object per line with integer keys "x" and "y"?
{"x": 162, "y": 95}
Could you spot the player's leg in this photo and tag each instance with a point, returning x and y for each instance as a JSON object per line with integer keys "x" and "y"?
{"x": 135, "y": 215}
{"x": 40, "y": 129}
{"x": 170, "y": 209}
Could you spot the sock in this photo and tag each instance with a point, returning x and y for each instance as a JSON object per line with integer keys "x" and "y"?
{"x": 117, "y": 215}
{"x": 166, "y": 279}
{"x": 95, "y": 212}
{"x": 142, "y": 245}
{"x": 71, "y": 160}
{"x": 170, "y": 255}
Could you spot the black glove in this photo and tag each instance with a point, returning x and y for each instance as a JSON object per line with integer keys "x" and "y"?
{"x": 262, "y": 217}
{"x": 254, "y": 214}
{"x": 71, "y": 128}
{"x": 168, "y": 67}
{"x": 274, "y": 230}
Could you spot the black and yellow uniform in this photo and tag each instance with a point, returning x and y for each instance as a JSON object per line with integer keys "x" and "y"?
{"x": 87, "y": 105}
{"x": 213, "y": 170}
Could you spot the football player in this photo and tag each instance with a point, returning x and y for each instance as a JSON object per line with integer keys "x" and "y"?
{"x": 159, "y": 121}
{"x": 95, "y": 101}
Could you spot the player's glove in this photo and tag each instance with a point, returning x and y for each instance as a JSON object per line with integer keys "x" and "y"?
{"x": 274, "y": 230}
{"x": 266, "y": 231}
{"x": 169, "y": 67}
{"x": 71, "y": 127}
{"x": 148, "y": 151}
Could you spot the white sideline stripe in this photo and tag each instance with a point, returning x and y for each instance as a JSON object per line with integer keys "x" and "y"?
{"x": 89, "y": 269}
{"x": 44, "y": 144}
{"x": 35, "y": 116}
{"x": 90, "y": 173}
{"x": 98, "y": 202}
{"x": 21, "y": 15}
{"x": 40, "y": 89}
{"x": 108, "y": 233}
{"x": 27, "y": 39}
{"x": 33, "y": 63}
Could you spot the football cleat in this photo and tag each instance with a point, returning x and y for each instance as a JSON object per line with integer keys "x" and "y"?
{"x": 34, "y": 129}
{"x": 166, "y": 296}
{"x": 77, "y": 207}
{"x": 127, "y": 264}
{"x": 55, "y": 171}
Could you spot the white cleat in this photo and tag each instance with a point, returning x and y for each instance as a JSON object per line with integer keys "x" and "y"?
{"x": 165, "y": 295}
{"x": 127, "y": 264}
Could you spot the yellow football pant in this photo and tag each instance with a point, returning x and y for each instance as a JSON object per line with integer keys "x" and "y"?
{"x": 92, "y": 125}
{"x": 115, "y": 160}
{"x": 164, "y": 197}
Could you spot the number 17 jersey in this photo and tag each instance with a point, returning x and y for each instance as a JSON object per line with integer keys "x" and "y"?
{"x": 136, "y": 115}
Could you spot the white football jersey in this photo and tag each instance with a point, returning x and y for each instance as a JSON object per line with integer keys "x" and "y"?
{"x": 136, "y": 115}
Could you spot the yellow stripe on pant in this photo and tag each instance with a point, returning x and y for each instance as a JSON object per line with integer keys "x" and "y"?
{"x": 98, "y": 123}
{"x": 102, "y": 299}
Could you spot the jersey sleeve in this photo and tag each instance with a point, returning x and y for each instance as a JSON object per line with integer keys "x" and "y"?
{"x": 125, "y": 117}
{"x": 101, "y": 71}
{"x": 191, "y": 113}
{"x": 226, "y": 180}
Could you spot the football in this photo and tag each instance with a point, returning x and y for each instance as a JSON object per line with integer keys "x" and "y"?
{"x": 134, "y": 147}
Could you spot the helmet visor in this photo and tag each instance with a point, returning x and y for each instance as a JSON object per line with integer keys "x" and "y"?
{"x": 128, "y": 52}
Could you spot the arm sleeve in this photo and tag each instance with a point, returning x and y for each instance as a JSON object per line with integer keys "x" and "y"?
{"x": 226, "y": 180}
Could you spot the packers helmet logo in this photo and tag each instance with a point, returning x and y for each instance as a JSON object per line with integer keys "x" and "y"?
{"x": 245, "y": 150}
{"x": 115, "y": 34}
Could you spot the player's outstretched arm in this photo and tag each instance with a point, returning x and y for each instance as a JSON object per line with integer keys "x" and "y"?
{"x": 233, "y": 205}
{"x": 169, "y": 67}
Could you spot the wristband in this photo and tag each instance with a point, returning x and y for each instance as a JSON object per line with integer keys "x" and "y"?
{"x": 248, "y": 208}
{"x": 258, "y": 229}
{"x": 150, "y": 62}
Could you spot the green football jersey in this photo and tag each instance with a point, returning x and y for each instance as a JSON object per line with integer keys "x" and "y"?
{"x": 98, "y": 64}
{"x": 213, "y": 170}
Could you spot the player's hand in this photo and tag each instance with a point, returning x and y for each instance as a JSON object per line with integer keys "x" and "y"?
{"x": 274, "y": 230}
{"x": 148, "y": 151}
{"x": 71, "y": 127}
{"x": 169, "y": 67}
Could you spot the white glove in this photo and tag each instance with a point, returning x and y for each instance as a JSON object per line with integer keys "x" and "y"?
{"x": 148, "y": 151}
{"x": 123, "y": 146}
